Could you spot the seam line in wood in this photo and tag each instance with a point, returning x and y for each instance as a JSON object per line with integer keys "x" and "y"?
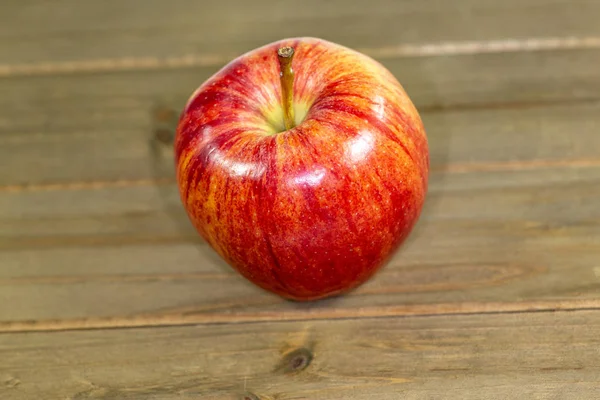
{"x": 450, "y": 169}
{"x": 84, "y": 185}
{"x": 422, "y": 310}
{"x": 214, "y": 60}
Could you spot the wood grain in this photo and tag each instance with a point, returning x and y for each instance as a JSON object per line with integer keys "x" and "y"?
{"x": 93, "y": 235}
{"x": 113, "y": 141}
{"x": 489, "y": 239}
{"x": 525, "y": 355}
{"x": 513, "y": 197}
{"x": 33, "y": 32}
{"x": 115, "y": 100}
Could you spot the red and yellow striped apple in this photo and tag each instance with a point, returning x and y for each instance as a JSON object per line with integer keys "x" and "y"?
{"x": 304, "y": 165}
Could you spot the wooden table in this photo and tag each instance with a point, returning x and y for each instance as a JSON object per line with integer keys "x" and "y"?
{"x": 106, "y": 291}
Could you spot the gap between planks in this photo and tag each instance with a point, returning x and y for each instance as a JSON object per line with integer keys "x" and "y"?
{"x": 214, "y": 60}
{"x": 462, "y": 168}
{"x": 324, "y": 313}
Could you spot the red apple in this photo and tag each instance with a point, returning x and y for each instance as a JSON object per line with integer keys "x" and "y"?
{"x": 314, "y": 209}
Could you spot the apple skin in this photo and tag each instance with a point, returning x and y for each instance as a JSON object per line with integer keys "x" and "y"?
{"x": 316, "y": 210}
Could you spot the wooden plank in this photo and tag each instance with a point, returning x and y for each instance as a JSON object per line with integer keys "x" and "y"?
{"x": 33, "y": 32}
{"x": 486, "y": 241}
{"x": 117, "y": 101}
{"x": 151, "y": 211}
{"x": 116, "y": 137}
{"x": 527, "y": 355}
{"x": 58, "y": 243}
{"x": 512, "y": 198}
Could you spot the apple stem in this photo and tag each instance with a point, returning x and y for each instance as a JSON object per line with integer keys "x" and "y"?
{"x": 285, "y": 56}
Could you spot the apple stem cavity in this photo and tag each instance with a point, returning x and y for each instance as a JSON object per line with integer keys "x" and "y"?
{"x": 285, "y": 56}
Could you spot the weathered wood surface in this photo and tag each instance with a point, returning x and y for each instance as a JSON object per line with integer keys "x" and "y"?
{"x": 544, "y": 356}
{"x": 92, "y": 233}
{"x": 101, "y": 126}
{"x": 66, "y": 30}
{"x": 512, "y": 216}
{"x": 115, "y": 145}
{"x": 517, "y": 241}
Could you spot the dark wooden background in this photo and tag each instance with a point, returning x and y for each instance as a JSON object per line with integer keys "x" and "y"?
{"x": 106, "y": 291}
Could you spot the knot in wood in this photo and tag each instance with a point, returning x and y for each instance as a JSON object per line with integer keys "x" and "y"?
{"x": 165, "y": 124}
{"x": 297, "y": 360}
